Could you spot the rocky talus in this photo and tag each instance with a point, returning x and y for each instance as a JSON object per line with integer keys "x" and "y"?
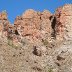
{"x": 37, "y": 41}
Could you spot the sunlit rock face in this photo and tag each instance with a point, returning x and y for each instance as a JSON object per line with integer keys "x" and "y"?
{"x": 4, "y": 24}
{"x": 37, "y": 41}
{"x": 36, "y": 25}
{"x": 64, "y": 22}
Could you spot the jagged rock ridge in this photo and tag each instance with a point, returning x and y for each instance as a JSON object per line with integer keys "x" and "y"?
{"x": 39, "y": 25}
{"x": 39, "y": 41}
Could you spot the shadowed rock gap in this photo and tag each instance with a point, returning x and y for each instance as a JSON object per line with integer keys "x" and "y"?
{"x": 53, "y": 23}
{"x": 16, "y": 32}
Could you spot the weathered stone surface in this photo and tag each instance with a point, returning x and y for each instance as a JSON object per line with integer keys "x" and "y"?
{"x": 34, "y": 24}
{"x": 37, "y": 42}
{"x": 40, "y": 25}
{"x": 64, "y": 22}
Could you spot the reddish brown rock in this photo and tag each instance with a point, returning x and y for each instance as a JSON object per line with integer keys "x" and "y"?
{"x": 35, "y": 25}
{"x": 64, "y": 22}
{"x": 45, "y": 14}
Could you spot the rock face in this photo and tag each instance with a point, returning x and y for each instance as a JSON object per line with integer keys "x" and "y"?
{"x": 4, "y": 25}
{"x": 34, "y": 24}
{"x": 64, "y": 22}
{"x": 37, "y": 41}
{"x": 39, "y": 25}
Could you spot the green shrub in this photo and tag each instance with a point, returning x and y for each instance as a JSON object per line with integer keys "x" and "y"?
{"x": 50, "y": 70}
{"x": 10, "y": 43}
{"x": 45, "y": 42}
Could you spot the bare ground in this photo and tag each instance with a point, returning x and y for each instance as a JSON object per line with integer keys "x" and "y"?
{"x": 56, "y": 58}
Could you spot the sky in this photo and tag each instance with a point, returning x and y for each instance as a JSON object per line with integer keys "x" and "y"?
{"x": 17, "y": 7}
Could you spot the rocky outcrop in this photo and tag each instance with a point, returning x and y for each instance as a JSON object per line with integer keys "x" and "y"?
{"x": 37, "y": 41}
{"x": 4, "y": 25}
{"x": 34, "y": 24}
{"x": 64, "y": 22}
{"x": 39, "y": 25}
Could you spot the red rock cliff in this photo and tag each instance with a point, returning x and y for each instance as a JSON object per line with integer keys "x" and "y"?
{"x": 39, "y": 25}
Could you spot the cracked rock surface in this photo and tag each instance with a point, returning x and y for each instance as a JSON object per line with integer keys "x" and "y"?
{"x": 37, "y": 41}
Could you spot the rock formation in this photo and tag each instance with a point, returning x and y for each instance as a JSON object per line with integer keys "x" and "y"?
{"x": 37, "y": 41}
{"x": 35, "y": 25}
{"x": 64, "y": 22}
{"x": 39, "y": 25}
